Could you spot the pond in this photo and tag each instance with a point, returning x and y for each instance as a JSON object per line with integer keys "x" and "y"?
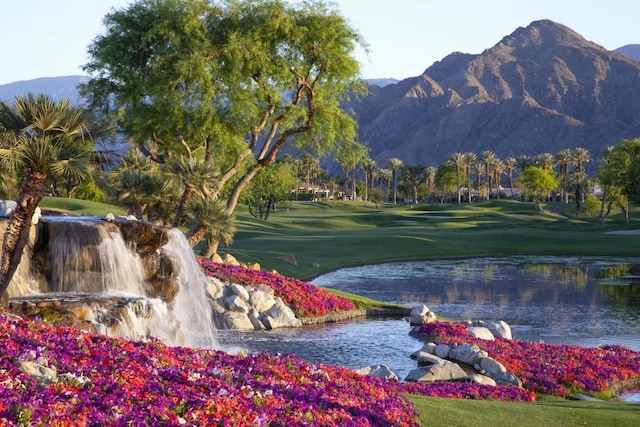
{"x": 586, "y": 301}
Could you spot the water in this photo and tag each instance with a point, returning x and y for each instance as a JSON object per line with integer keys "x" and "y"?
{"x": 587, "y": 301}
{"x": 191, "y": 306}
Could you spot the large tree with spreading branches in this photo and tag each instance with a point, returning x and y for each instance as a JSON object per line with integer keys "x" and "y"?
{"x": 238, "y": 79}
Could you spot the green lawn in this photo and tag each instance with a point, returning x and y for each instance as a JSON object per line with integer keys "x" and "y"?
{"x": 328, "y": 235}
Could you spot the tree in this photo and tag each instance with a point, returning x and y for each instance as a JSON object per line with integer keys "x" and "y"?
{"x": 488, "y": 159}
{"x": 458, "y": 162}
{"x": 239, "y": 79}
{"x": 395, "y": 164}
{"x": 271, "y": 185}
{"x": 349, "y": 158}
{"x": 413, "y": 176}
{"x": 192, "y": 174}
{"x": 446, "y": 180}
{"x": 469, "y": 160}
{"x": 619, "y": 176}
{"x": 537, "y": 183}
{"x": 511, "y": 164}
{"x": 564, "y": 159}
{"x": 370, "y": 169}
{"x": 40, "y": 138}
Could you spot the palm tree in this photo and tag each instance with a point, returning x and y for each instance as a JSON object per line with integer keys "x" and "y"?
{"x": 580, "y": 157}
{"x": 488, "y": 158}
{"x": 413, "y": 176}
{"x": 211, "y": 219}
{"x": 386, "y": 174}
{"x": 191, "y": 173}
{"x": 564, "y": 159}
{"x": 40, "y": 138}
{"x": 430, "y": 178}
{"x": 395, "y": 165}
{"x": 458, "y": 161}
{"x": 545, "y": 161}
{"x": 498, "y": 170}
{"x": 370, "y": 169}
{"x": 511, "y": 164}
{"x": 469, "y": 159}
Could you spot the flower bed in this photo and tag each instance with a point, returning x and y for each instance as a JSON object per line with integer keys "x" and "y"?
{"x": 304, "y": 298}
{"x": 108, "y": 381}
{"x": 549, "y": 368}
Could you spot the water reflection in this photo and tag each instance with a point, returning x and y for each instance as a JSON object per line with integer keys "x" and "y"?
{"x": 556, "y": 299}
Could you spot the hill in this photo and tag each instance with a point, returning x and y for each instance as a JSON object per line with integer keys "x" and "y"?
{"x": 540, "y": 89}
{"x": 631, "y": 50}
{"x": 56, "y": 87}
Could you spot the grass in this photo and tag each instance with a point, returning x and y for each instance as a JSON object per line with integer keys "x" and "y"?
{"x": 328, "y": 235}
{"x": 435, "y": 412}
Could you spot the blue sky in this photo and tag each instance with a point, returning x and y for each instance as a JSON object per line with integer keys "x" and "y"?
{"x": 46, "y": 38}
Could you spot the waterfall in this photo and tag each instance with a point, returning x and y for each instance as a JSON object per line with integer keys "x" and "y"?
{"x": 102, "y": 279}
{"x": 191, "y": 307}
{"x": 91, "y": 257}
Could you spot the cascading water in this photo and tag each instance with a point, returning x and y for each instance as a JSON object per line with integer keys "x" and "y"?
{"x": 90, "y": 257}
{"x": 191, "y": 306}
{"x": 102, "y": 279}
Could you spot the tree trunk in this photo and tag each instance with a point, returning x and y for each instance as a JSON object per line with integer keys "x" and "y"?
{"x": 186, "y": 195}
{"x": 195, "y": 235}
{"x": 17, "y": 234}
{"x": 209, "y": 248}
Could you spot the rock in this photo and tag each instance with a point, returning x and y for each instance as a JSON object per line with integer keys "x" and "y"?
{"x": 42, "y": 374}
{"x": 467, "y": 353}
{"x": 254, "y": 266}
{"x": 438, "y": 372}
{"x": 280, "y": 316}
{"x": 427, "y": 348}
{"x": 481, "y": 332}
{"x": 500, "y": 329}
{"x": 240, "y": 291}
{"x": 230, "y": 260}
{"x": 235, "y": 303}
{"x": 491, "y": 366}
{"x": 425, "y": 358}
{"x": 507, "y": 378}
{"x": 479, "y": 379}
{"x": 254, "y": 317}
{"x": 217, "y": 258}
{"x": 442, "y": 350}
{"x": 378, "y": 371}
{"x": 215, "y": 288}
{"x": 236, "y": 320}
{"x": 261, "y": 301}
{"x": 421, "y": 315}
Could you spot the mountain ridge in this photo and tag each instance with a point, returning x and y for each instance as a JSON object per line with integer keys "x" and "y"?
{"x": 540, "y": 89}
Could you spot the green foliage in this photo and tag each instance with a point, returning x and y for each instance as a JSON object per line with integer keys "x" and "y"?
{"x": 272, "y": 184}
{"x": 89, "y": 190}
{"x": 537, "y": 182}
{"x": 591, "y": 204}
{"x": 239, "y": 79}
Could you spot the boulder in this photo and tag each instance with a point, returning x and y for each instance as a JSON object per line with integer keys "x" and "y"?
{"x": 261, "y": 301}
{"x": 507, "y": 378}
{"x": 445, "y": 371}
{"x": 240, "y": 291}
{"x": 500, "y": 329}
{"x": 425, "y": 358}
{"x": 479, "y": 379}
{"x": 280, "y": 316}
{"x": 491, "y": 366}
{"x": 481, "y": 332}
{"x": 467, "y": 353}
{"x": 230, "y": 260}
{"x": 235, "y": 320}
{"x": 442, "y": 350}
{"x": 421, "y": 315}
{"x": 378, "y": 371}
{"x": 237, "y": 304}
{"x": 215, "y": 288}
{"x": 42, "y": 374}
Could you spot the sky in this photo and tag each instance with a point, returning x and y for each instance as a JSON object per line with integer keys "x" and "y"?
{"x": 46, "y": 38}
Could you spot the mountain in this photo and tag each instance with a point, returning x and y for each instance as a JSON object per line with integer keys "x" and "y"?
{"x": 631, "y": 50}
{"x": 541, "y": 89}
{"x": 56, "y": 87}
{"x": 382, "y": 82}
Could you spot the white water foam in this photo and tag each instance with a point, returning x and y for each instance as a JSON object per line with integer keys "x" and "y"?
{"x": 191, "y": 306}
